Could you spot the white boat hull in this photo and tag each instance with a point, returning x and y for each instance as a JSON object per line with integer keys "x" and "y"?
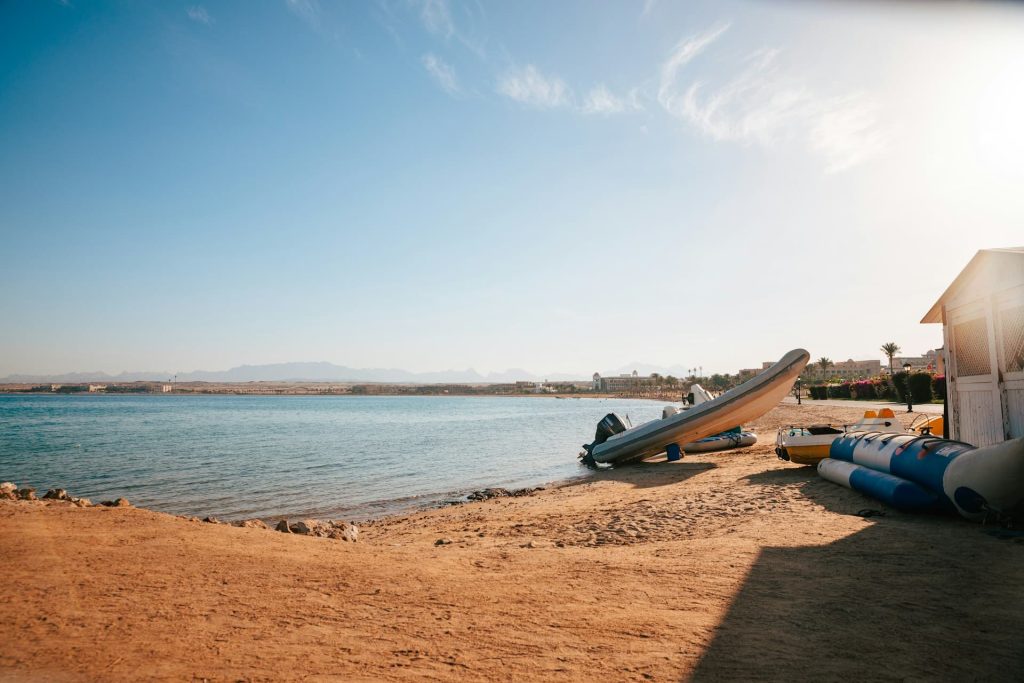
{"x": 722, "y": 442}
{"x": 749, "y": 401}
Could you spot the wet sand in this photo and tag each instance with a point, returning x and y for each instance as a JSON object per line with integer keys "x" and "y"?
{"x": 732, "y": 566}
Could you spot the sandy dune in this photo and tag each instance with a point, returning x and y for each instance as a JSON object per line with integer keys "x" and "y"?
{"x": 720, "y": 567}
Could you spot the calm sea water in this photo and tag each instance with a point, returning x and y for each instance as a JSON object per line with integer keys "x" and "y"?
{"x": 317, "y": 456}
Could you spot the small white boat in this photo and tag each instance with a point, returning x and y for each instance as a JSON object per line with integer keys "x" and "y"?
{"x": 614, "y": 443}
{"x": 721, "y": 442}
{"x": 810, "y": 444}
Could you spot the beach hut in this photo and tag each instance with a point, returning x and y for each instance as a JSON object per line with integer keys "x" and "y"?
{"x": 982, "y": 316}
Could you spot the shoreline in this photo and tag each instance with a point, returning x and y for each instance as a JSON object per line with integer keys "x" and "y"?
{"x": 591, "y": 396}
{"x": 691, "y": 570}
{"x": 195, "y": 471}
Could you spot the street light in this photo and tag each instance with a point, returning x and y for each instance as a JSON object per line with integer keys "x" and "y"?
{"x": 906, "y": 378}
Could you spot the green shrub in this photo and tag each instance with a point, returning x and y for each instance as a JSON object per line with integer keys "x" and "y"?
{"x": 898, "y": 384}
{"x": 839, "y": 390}
{"x": 939, "y": 386}
{"x": 921, "y": 387}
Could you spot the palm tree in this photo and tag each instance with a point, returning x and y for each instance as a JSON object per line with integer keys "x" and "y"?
{"x": 824, "y": 364}
{"x": 890, "y": 349}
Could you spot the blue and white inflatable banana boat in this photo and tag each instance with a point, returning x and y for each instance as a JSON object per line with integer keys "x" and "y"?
{"x": 913, "y": 472}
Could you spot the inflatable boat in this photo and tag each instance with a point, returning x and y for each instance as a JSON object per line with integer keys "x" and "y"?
{"x": 721, "y": 442}
{"x": 808, "y": 445}
{"x": 973, "y": 481}
{"x": 615, "y": 444}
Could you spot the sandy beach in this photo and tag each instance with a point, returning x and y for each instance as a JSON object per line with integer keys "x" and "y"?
{"x": 732, "y": 566}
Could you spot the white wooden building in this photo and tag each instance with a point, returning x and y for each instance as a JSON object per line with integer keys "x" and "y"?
{"x": 982, "y": 316}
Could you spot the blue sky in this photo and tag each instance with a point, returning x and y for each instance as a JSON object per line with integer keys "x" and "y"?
{"x": 563, "y": 187}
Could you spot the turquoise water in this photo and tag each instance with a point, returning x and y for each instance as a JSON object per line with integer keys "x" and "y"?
{"x": 311, "y": 456}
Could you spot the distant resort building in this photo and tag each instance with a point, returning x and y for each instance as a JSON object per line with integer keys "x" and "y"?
{"x": 848, "y": 369}
{"x": 93, "y": 388}
{"x": 629, "y": 382}
{"x": 930, "y": 361}
{"x": 167, "y": 388}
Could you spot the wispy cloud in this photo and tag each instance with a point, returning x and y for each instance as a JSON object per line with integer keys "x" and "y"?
{"x": 684, "y": 52}
{"x": 532, "y": 88}
{"x": 847, "y": 132}
{"x": 768, "y": 105}
{"x": 437, "y": 17}
{"x": 307, "y": 10}
{"x": 442, "y": 73}
{"x": 601, "y": 100}
{"x": 198, "y": 14}
{"x": 463, "y": 25}
{"x": 648, "y": 6}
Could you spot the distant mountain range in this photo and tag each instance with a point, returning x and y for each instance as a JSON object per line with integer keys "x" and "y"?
{"x": 329, "y": 372}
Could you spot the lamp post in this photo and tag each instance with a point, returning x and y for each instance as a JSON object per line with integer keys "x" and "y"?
{"x": 906, "y": 378}
{"x": 797, "y": 388}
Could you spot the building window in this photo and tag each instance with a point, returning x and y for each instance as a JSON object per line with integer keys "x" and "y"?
{"x": 970, "y": 348}
{"x": 1011, "y": 325}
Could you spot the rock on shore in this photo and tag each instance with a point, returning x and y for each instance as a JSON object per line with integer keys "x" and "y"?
{"x": 338, "y": 530}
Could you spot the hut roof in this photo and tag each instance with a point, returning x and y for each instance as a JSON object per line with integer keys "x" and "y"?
{"x": 985, "y": 258}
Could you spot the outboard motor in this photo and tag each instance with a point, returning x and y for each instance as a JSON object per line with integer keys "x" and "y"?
{"x": 609, "y": 425}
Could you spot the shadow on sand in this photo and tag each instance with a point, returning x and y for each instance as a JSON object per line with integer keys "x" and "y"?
{"x": 647, "y": 473}
{"x": 911, "y": 597}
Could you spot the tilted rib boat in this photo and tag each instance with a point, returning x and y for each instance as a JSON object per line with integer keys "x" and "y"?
{"x": 615, "y": 444}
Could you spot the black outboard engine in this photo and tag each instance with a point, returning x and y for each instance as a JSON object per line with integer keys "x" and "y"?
{"x": 609, "y": 425}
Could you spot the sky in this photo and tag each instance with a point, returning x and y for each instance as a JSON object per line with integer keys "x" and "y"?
{"x": 561, "y": 187}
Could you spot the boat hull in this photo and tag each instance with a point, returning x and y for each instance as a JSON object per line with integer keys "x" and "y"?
{"x": 805, "y": 455}
{"x": 973, "y": 481}
{"x": 746, "y": 402}
{"x": 899, "y": 493}
{"x": 721, "y": 442}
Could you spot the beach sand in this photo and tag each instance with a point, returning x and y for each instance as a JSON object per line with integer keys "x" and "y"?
{"x": 731, "y": 566}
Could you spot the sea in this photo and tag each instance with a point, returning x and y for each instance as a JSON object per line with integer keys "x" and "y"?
{"x": 339, "y": 457}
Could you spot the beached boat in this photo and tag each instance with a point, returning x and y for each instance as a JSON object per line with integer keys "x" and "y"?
{"x": 727, "y": 440}
{"x": 807, "y": 445}
{"x": 615, "y": 443}
{"x": 976, "y": 482}
{"x": 928, "y": 425}
{"x": 721, "y": 442}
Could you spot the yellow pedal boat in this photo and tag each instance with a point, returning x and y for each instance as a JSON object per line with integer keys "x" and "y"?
{"x": 807, "y": 445}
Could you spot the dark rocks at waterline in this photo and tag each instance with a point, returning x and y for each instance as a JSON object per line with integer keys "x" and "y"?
{"x": 304, "y": 527}
{"x": 10, "y": 491}
{"x": 487, "y": 494}
{"x": 336, "y": 530}
{"x": 342, "y": 531}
